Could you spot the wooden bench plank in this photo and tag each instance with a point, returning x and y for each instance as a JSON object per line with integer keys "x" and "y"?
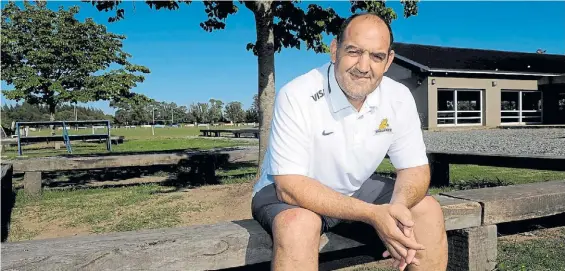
{"x": 440, "y": 161}
{"x": 203, "y": 247}
{"x": 133, "y": 160}
{"x": 459, "y": 214}
{"x": 517, "y": 202}
{"x": 236, "y": 132}
{"x": 541, "y": 162}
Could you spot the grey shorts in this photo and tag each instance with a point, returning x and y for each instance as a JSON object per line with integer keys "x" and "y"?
{"x": 265, "y": 205}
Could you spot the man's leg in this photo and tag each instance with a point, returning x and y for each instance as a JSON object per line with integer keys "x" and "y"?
{"x": 295, "y": 231}
{"x": 296, "y": 239}
{"x": 429, "y": 230}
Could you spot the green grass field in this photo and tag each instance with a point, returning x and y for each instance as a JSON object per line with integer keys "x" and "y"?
{"x": 136, "y": 140}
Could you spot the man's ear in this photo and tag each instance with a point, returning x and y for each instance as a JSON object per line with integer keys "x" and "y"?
{"x": 333, "y": 50}
{"x": 390, "y": 59}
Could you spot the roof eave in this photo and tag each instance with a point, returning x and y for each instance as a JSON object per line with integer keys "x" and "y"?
{"x": 425, "y": 68}
{"x": 494, "y": 72}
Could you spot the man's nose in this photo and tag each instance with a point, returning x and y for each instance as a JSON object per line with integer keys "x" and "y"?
{"x": 364, "y": 63}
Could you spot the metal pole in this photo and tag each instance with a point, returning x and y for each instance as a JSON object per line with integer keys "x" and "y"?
{"x": 19, "y": 138}
{"x": 109, "y": 141}
{"x": 153, "y": 126}
{"x": 76, "y": 117}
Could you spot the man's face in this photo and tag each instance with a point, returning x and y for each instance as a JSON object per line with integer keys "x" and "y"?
{"x": 362, "y": 57}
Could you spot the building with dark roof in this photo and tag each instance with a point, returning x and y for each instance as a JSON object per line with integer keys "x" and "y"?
{"x": 476, "y": 87}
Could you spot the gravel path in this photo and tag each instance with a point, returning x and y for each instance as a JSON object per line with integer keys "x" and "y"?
{"x": 541, "y": 141}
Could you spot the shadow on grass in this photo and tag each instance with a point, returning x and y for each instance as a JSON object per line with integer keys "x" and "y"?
{"x": 524, "y": 226}
{"x": 201, "y": 170}
{"x": 477, "y": 183}
{"x": 105, "y": 153}
{"x": 197, "y": 170}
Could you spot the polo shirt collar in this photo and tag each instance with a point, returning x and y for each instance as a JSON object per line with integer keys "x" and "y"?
{"x": 339, "y": 100}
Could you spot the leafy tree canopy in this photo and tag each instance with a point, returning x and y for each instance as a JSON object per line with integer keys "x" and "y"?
{"x": 291, "y": 25}
{"x": 52, "y": 58}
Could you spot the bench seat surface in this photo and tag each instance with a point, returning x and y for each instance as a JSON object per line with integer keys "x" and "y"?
{"x": 203, "y": 247}
{"x": 517, "y": 202}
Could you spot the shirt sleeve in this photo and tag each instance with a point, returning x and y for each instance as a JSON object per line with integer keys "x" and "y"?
{"x": 408, "y": 148}
{"x": 288, "y": 151}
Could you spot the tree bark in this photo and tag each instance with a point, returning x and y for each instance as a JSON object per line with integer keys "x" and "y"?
{"x": 52, "y": 109}
{"x": 266, "y": 64}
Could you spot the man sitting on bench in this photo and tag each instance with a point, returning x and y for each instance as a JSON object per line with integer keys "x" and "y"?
{"x": 332, "y": 127}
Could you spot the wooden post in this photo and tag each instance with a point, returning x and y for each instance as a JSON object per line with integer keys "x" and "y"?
{"x": 472, "y": 249}
{"x": 32, "y": 183}
{"x": 439, "y": 172}
{"x": 7, "y": 199}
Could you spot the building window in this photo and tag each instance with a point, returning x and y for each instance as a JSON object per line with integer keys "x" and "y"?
{"x": 459, "y": 107}
{"x": 520, "y": 107}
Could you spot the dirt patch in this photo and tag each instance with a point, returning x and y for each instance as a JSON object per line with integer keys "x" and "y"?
{"x": 84, "y": 212}
{"x": 141, "y": 180}
{"x": 222, "y": 202}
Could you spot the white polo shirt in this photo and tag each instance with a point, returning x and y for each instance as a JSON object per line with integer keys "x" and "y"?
{"x": 317, "y": 133}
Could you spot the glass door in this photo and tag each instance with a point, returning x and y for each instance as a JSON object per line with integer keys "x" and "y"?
{"x": 459, "y": 107}
{"x": 520, "y": 107}
{"x": 445, "y": 107}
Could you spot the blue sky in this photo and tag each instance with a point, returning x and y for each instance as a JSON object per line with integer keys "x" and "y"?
{"x": 190, "y": 65}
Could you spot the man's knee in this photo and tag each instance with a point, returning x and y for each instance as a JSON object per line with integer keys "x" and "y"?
{"x": 428, "y": 209}
{"x": 296, "y": 226}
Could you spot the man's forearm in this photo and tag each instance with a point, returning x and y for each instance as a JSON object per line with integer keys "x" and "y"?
{"x": 318, "y": 198}
{"x": 411, "y": 185}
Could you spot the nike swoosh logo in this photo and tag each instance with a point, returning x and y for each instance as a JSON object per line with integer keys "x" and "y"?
{"x": 326, "y": 133}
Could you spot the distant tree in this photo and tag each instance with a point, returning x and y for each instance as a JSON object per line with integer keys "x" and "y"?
{"x": 51, "y": 58}
{"x": 181, "y": 114}
{"x": 200, "y": 112}
{"x": 133, "y": 109}
{"x": 278, "y": 24}
{"x": 252, "y": 113}
{"x": 215, "y": 110}
{"x": 35, "y": 112}
{"x": 234, "y": 112}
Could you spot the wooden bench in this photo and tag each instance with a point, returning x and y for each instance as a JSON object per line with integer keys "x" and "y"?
{"x": 440, "y": 161}
{"x": 236, "y": 132}
{"x": 33, "y": 168}
{"x": 470, "y": 216}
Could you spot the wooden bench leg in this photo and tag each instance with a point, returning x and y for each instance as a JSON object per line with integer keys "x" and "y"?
{"x": 32, "y": 183}
{"x": 472, "y": 249}
{"x": 439, "y": 173}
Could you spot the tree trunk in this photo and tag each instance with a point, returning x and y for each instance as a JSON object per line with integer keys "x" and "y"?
{"x": 266, "y": 64}
{"x": 52, "y": 118}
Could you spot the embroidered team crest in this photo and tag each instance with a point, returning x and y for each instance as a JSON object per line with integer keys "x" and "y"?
{"x": 383, "y": 127}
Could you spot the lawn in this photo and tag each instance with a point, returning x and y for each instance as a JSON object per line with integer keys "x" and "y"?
{"x": 472, "y": 176}
{"x": 136, "y": 140}
{"x": 101, "y": 210}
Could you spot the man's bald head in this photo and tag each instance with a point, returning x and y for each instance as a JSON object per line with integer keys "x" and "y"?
{"x": 371, "y": 17}
{"x": 362, "y": 53}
